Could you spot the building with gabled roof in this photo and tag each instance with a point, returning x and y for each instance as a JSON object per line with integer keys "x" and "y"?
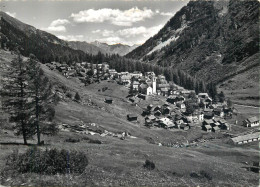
{"x": 251, "y": 122}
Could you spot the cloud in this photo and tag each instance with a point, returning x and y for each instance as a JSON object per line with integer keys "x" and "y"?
{"x": 128, "y": 36}
{"x": 57, "y": 26}
{"x": 71, "y": 37}
{"x": 11, "y": 14}
{"x": 111, "y": 40}
{"x": 96, "y": 31}
{"x": 167, "y": 14}
{"x": 114, "y": 16}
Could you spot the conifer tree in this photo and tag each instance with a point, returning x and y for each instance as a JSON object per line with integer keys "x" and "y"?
{"x": 15, "y": 96}
{"x": 41, "y": 99}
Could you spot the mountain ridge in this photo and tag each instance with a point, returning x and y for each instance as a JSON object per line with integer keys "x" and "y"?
{"x": 209, "y": 40}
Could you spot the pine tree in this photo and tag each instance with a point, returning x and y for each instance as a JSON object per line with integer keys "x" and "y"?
{"x": 41, "y": 99}
{"x": 15, "y": 96}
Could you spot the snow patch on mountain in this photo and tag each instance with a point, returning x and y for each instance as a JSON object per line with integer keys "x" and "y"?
{"x": 173, "y": 38}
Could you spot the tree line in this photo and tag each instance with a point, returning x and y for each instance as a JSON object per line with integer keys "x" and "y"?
{"x": 28, "y": 99}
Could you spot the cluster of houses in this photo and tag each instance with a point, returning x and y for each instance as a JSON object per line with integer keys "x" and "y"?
{"x": 210, "y": 116}
{"x": 80, "y": 70}
{"x": 173, "y": 116}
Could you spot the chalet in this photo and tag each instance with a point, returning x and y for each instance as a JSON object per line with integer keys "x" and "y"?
{"x": 136, "y": 74}
{"x": 161, "y": 79}
{"x": 201, "y": 116}
{"x": 132, "y": 117}
{"x": 171, "y": 99}
{"x": 146, "y": 112}
{"x": 208, "y": 122}
{"x": 251, "y": 122}
{"x": 149, "y": 107}
{"x": 112, "y": 72}
{"x": 166, "y": 110}
{"x": 203, "y": 95}
{"x": 181, "y": 105}
{"x": 151, "y": 117}
{"x": 219, "y": 112}
{"x": 164, "y": 91}
{"x": 109, "y": 100}
{"x": 223, "y": 124}
{"x": 142, "y": 96}
{"x": 208, "y": 115}
{"x": 105, "y": 66}
{"x": 157, "y": 108}
{"x": 178, "y": 123}
{"x": 149, "y": 74}
{"x": 245, "y": 138}
{"x": 207, "y": 128}
{"x": 215, "y": 129}
{"x": 157, "y": 113}
{"x": 125, "y": 79}
{"x": 184, "y": 126}
{"x": 135, "y": 85}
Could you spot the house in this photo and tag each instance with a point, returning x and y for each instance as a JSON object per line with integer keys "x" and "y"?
{"x": 223, "y": 124}
{"x": 132, "y": 117}
{"x": 201, "y": 116}
{"x": 109, "y": 100}
{"x": 178, "y": 123}
{"x": 181, "y": 105}
{"x": 135, "y": 85}
{"x": 208, "y": 122}
{"x": 136, "y": 74}
{"x": 146, "y": 112}
{"x": 184, "y": 126}
{"x": 145, "y": 89}
{"x": 149, "y": 107}
{"x": 216, "y": 129}
{"x": 157, "y": 113}
{"x": 208, "y": 115}
{"x": 149, "y": 74}
{"x": 219, "y": 112}
{"x": 207, "y": 128}
{"x": 164, "y": 91}
{"x": 125, "y": 79}
{"x": 251, "y": 122}
{"x": 151, "y": 117}
{"x": 166, "y": 110}
{"x": 112, "y": 72}
{"x": 245, "y": 138}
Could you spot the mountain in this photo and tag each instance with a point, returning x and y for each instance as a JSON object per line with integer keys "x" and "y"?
{"x": 120, "y": 49}
{"x": 211, "y": 40}
{"x": 86, "y": 47}
{"x": 95, "y": 47}
{"x": 46, "y": 47}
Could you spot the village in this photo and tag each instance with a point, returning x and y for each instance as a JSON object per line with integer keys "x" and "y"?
{"x": 183, "y": 109}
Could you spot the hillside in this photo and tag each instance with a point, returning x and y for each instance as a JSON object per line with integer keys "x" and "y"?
{"x": 117, "y": 162}
{"x": 211, "y": 40}
{"x": 46, "y": 47}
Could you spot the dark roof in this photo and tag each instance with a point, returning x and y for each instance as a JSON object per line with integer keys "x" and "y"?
{"x": 132, "y": 115}
{"x": 108, "y": 99}
{"x": 252, "y": 119}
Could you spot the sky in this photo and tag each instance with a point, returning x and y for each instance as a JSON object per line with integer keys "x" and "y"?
{"x": 118, "y": 21}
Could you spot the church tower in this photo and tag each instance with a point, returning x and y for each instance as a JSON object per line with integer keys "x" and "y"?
{"x": 154, "y": 85}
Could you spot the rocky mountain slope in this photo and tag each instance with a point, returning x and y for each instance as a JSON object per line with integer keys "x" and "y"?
{"x": 211, "y": 40}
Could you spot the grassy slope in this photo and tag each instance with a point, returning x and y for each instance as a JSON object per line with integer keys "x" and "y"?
{"x": 244, "y": 87}
{"x": 119, "y": 162}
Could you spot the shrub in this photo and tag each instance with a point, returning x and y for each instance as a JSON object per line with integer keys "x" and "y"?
{"x": 149, "y": 165}
{"x": 77, "y": 97}
{"x": 50, "y": 162}
{"x": 72, "y": 140}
